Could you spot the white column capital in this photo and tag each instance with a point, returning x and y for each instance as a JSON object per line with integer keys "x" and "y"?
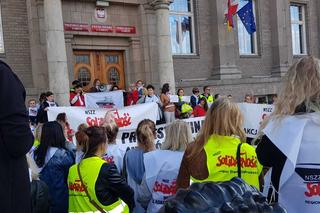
{"x": 160, "y": 4}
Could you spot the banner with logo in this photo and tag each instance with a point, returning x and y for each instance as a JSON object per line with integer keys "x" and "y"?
{"x": 127, "y": 118}
{"x": 254, "y": 114}
{"x": 106, "y": 100}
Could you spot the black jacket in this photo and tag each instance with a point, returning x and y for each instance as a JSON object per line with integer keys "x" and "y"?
{"x": 110, "y": 186}
{"x": 16, "y": 140}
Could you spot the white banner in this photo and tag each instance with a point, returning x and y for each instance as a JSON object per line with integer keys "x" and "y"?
{"x": 126, "y": 118}
{"x": 105, "y": 100}
{"x": 254, "y": 114}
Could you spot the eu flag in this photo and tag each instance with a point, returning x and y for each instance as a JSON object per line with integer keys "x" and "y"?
{"x": 247, "y": 17}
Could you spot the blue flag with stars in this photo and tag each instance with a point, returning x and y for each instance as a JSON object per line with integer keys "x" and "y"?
{"x": 247, "y": 17}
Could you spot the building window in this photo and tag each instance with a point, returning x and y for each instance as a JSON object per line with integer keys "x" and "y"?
{"x": 182, "y": 27}
{"x": 1, "y": 34}
{"x": 247, "y": 42}
{"x": 298, "y": 29}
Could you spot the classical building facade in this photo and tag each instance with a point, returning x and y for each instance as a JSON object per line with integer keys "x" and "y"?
{"x": 50, "y": 43}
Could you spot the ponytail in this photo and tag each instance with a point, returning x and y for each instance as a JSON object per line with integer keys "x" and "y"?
{"x": 146, "y": 135}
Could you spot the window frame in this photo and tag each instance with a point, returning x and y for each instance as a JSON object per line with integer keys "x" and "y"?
{"x": 254, "y": 36}
{"x": 303, "y": 23}
{"x": 193, "y": 39}
{"x": 2, "y": 51}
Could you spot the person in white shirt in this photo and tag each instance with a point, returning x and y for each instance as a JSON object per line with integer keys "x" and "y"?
{"x": 162, "y": 167}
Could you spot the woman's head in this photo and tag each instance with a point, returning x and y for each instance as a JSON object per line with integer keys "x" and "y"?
{"x": 114, "y": 88}
{"x": 62, "y": 117}
{"x": 52, "y": 136}
{"x": 301, "y": 86}
{"x": 180, "y": 92}
{"x": 165, "y": 88}
{"x": 96, "y": 82}
{"x": 112, "y": 130}
{"x": 203, "y": 103}
{"x": 178, "y": 136}
{"x": 223, "y": 118}
{"x": 93, "y": 141}
{"x": 146, "y": 134}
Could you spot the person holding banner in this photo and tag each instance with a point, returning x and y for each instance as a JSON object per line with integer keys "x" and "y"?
{"x": 168, "y": 108}
{"x": 77, "y": 97}
{"x": 218, "y": 147}
{"x": 201, "y": 109}
{"x": 184, "y": 110}
{"x": 133, "y": 163}
{"x": 290, "y": 144}
{"x": 162, "y": 167}
{"x": 206, "y": 94}
{"x": 95, "y": 185}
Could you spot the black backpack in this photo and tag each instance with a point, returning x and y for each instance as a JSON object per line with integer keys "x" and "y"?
{"x": 40, "y": 197}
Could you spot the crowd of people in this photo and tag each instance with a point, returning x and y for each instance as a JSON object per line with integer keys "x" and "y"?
{"x": 92, "y": 173}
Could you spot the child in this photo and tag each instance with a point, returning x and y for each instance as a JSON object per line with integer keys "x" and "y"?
{"x": 32, "y": 111}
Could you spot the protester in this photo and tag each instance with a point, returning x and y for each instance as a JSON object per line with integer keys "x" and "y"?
{"x": 162, "y": 167}
{"x": 133, "y": 163}
{"x": 184, "y": 110}
{"x": 229, "y": 96}
{"x": 217, "y": 96}
{"x": 96, "y": 86}
{"x": 79, "y": 145}
{"x": 194, "y": 100}
{"x": 213, "y": 155}
{"x": 54, "y": 161}
{"x": 168, "y": 107}
{"x": 201, "y": 109}
{"x": 63, "y": 121}
{"x": 132, "y": 95}
{"x": 42, "y": 99}
{"x": 291, "y": 143}
{"x": 113, "y": 153}
{"x": 114, "y": 88}
{"x": 94, "y": 185}
{"x": 140, "y": 87}
{"x": 43, "y": 111}
{"x": 16, "y": 140}
{"x": 248, "y": 99}
{"x": 74, "y": 84}
{"x": 150, "y": 97}
{"x": 206, "y": 94}
{"x": 32, "y": 111}
{"x": 77, "y": 97}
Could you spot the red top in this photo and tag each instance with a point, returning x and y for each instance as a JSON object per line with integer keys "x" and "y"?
{"x": 132, "y": 97}
{"x": 78, "y": 102}
{"x": 199, "y": 111}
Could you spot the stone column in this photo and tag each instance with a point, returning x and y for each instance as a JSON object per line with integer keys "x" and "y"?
{"x": 56, "y": 52}
{"x": 165, "y": 61}
{"x": 224, "y": 45}
{"x": 281, "y": 37}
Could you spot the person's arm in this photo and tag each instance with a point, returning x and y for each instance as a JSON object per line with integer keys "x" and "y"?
{"x": 183, "y": 179}
{"x": 110, "y": 186}
{"x": 15, "y": 132}
{"x": 144, "y": 194}
{"x": 74, "y": 98}
{"x": 268, "y": 154}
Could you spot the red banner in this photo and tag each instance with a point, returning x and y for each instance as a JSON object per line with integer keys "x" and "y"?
{"x": 76, "y": 27}
{"x": 125, "y": 29}
{"x": 102, "y": 28}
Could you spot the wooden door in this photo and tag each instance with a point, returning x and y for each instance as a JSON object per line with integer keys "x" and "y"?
{"x": 107, "y": 66}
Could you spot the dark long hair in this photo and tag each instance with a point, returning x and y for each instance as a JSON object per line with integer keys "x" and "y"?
{"x": 52, "y": 136}
{"x": 90, "y": 139}
{"x": 205, "y": 103}
{"x": 165, "y": 88}
{"x": 62, "y": 117}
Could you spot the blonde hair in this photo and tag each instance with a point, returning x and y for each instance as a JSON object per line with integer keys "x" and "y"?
{"x": 111, "y": 128}
{"x": 146, "y": 133}
{"x": 223, "y": 118}
{"x": 178, "y": 136}
{"x": 300, "y": 89}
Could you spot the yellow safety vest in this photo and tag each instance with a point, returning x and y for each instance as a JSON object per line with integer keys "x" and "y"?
{"x": 221, "y": 152}
{"x": 78, "y": 200}
{"x": 209, "y": 99}
{"x": 185, "y": 107}
{"x": 36, "y": 143}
